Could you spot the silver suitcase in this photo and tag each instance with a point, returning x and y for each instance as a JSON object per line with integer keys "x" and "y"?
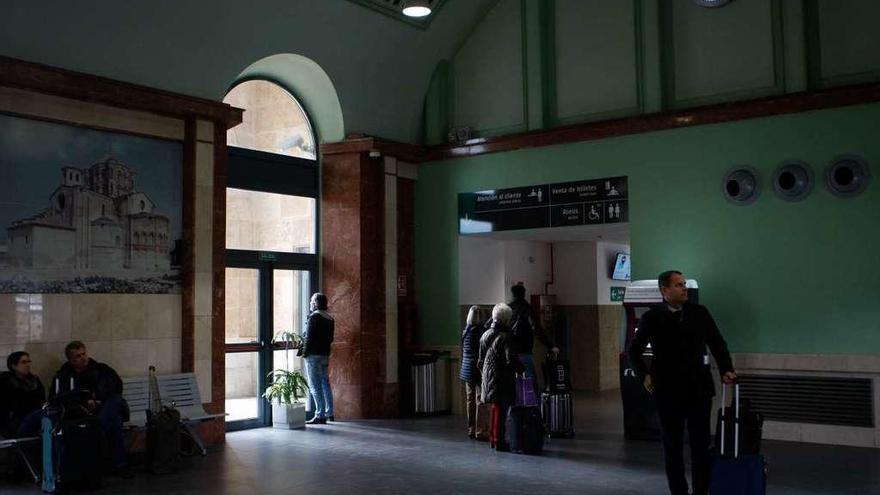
{"x": 556, "y": 410}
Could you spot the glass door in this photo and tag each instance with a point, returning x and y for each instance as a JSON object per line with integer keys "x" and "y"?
{"x": 267, "y": 295}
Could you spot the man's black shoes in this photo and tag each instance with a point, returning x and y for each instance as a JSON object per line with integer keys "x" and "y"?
{"x": 317, "y": 421}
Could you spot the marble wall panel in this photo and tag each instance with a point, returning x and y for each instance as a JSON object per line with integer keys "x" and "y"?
{"x": 584, "y": 354}
{"x": 203, "y": 337}
{"x": 55, "y": 317}
{"x": 128, "y": 314}
{"x": 92, "y": 317}
{"x": 203, "y": 294}
{"x": 611, "y": 320}
{"x": 163, "y": 316}
{"x": 164, "y": 354}
{"x": 15, "y": 324}
{"x": 204, "y": 377}
{"x": 129, "y": 357}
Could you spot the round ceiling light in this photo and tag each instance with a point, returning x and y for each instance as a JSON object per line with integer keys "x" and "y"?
{"x": 417, "y": 8}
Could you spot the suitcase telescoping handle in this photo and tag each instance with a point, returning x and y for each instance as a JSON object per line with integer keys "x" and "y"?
{"x": 736, "y": 420}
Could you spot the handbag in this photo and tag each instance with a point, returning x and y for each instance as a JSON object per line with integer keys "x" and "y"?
{"x": 525, "y": 391}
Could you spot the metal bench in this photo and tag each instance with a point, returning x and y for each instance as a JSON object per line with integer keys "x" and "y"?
{"x": 16, "y": 443}
{"x": 180, "y": 390}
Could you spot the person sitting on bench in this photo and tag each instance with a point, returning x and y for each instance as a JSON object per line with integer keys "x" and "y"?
{"x": 104, "y": 388}
{"x": 21, "y": 398}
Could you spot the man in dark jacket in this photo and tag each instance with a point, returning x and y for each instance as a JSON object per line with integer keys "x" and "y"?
{"x": 317, "y": 338}
{"x": 525, "y": 328}
{"x": 680, "y": 378}
{"x": 103, "y": 388}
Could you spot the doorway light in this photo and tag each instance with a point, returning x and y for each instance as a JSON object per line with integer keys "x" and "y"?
{"x": 417, "y": 8}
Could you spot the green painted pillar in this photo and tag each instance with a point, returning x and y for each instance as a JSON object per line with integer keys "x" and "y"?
{"x": 534, "y": 29}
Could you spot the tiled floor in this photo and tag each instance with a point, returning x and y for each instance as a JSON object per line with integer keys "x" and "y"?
{"x": 432, "y": 455}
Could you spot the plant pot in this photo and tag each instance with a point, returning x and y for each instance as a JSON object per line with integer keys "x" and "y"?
{"x": 289, "y": 416}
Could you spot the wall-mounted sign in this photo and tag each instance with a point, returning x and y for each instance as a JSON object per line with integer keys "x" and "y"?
{"x": 617, "y": 294}
{"x": 587, "y": 202}
{"x": 267, "y": 256}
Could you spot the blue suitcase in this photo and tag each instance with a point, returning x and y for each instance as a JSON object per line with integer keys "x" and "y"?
{"x": 736, "y": 474}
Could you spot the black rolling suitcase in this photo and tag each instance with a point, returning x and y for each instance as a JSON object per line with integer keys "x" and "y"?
{"x": 525, "y": 430}
{"x": 556, "y": 402}
{"x": 735, "y": 472}
{"x": 750, "y": 423}
{"x": 557, "y": 377}
{"x": 71, "y": 446}
{"x": 163, "y": 432}
{"x": 557, "y": 412}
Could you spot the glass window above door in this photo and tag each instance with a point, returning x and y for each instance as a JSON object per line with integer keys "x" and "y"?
{"x": 261, "y": 221}
{"x": 273, "y": 121}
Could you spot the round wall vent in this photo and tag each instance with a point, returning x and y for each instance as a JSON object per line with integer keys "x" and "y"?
{"x": 793, "y": 180}
{"x": 847, "y": 176}
{"x": 740, "y": 185}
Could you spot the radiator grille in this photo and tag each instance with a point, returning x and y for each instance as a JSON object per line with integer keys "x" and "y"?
{"x": 811, "y": 399}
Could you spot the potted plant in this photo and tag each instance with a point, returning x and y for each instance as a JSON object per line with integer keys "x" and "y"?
{"x": 286, "y": 389}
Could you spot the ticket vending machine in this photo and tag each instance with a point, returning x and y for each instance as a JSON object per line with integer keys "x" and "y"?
{"x": 639, "y": 415}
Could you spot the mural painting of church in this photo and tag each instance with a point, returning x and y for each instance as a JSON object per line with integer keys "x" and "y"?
{"x": 97, "y": 228}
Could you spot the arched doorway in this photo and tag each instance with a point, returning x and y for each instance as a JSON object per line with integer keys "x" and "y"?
{"x": 271, "y": 242}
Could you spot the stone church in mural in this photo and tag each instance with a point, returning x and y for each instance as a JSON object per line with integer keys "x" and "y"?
{"x": 96, "y": 221}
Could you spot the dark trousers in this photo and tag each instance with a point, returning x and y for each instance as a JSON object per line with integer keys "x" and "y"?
{"x": 111, "y": 415}
{"x": 30, "y": 425}
{"x": 674, "y": 411}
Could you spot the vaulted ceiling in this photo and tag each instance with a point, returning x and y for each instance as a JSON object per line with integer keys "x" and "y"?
{"x": 380, "y": 66}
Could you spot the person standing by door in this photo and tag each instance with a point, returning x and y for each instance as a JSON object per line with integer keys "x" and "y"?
{"x": 470, "y": 374}
{"x": 680, "y": 378}
{"x": 316, "y": 351}
{"x": 525, "y": 328}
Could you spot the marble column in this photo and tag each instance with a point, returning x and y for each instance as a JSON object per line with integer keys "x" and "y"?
{"x": 353, "y": 276}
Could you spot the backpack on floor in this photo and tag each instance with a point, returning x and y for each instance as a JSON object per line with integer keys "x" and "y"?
{"x": 163, "y": 432}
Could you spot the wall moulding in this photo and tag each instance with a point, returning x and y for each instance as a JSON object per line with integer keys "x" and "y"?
{"x": 44, "y": 79}
{"x": 710, "y": 114}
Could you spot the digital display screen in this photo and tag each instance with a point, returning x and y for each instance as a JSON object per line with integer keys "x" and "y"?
{"x": 621, "y": 267}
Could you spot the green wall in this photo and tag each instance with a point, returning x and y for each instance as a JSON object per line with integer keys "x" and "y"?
{"x": 532, "y": 64}
{"x": 779, "y": 277}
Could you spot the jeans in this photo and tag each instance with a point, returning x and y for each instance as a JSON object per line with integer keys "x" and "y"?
{"x": 30, "y": 424}
{"x": 110, "y": 415}
{"x": 674, "y": 411}
{"x": 319, "y": 385}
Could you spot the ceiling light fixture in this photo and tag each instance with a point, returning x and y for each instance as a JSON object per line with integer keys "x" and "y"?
{"x": 416, "y": 8}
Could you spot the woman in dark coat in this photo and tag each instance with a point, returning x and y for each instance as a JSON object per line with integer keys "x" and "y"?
{"x": 499, "y": 364}
{"x": 21, "y": 398}
{"x": 477, "y": 412}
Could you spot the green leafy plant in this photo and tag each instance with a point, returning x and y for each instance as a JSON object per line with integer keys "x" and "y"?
{"x": 286, "y": 387}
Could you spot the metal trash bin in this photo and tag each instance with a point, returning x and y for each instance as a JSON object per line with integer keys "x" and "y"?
{"x": 430, "y": 377}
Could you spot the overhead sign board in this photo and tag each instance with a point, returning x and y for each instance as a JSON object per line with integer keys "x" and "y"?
{"x": 587, "y": 202}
